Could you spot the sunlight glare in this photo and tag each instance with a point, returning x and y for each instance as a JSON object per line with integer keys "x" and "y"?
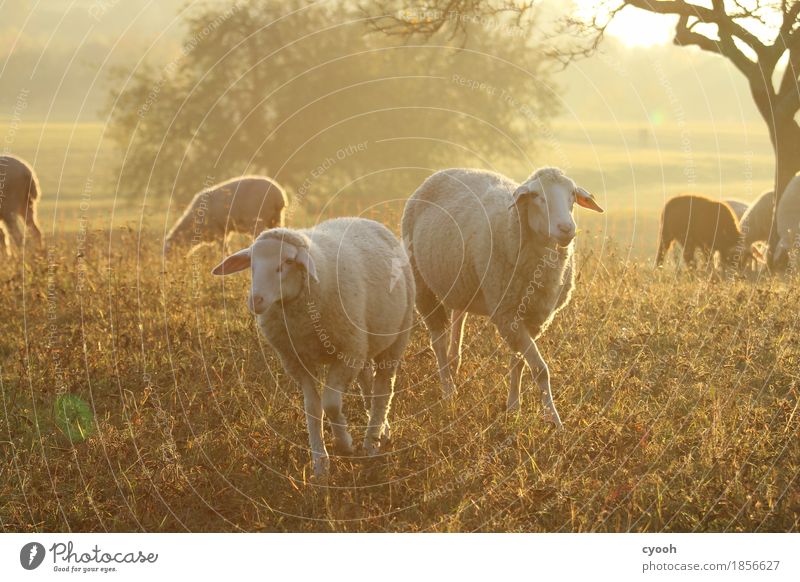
{"x": 634, "y": 28}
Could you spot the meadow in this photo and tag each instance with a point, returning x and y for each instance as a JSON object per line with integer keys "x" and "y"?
{"x": 679, "y": 391}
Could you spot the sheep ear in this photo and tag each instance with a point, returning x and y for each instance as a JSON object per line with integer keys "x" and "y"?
{"x": 233, "y": 264}
{"x": 304, "y": 258}
{"x": 585, "y": 199}
{"x": 530, "y": 187}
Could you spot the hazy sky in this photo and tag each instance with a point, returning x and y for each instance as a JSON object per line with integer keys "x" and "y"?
{"x": 637, "y": 28}
{"x": 634, "y": 27}
{"x": 62, "y": 50}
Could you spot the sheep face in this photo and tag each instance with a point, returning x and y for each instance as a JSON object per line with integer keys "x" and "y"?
{"x": 278, "y": 271}
{"x": 547, "y": 201}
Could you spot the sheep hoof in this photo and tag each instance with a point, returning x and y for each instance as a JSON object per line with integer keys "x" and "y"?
{"x": 343, "y": 445}
{"x": 343, "y": 448}
{"x": 372, "y": 447}
{"x": 322, "y": 467}
{"x": 553, "y": 418}
{"x": 377, "y": 446}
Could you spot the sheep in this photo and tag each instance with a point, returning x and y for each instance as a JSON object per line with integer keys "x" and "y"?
{"x": 247, "y": 205}
{"x": 788, "y": 223}
{"x": 739, "y": 208}
{"x": 339, "y": 295}
{"x": 19, "y": 196}
{"x": 697, "y": 222}
{"x": 480, "y": 243}
{"x": 757, "y": 220}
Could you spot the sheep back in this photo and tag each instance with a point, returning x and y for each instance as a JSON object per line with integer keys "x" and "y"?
{"x": 363, "y": 300}
{"x": 739, "y": 207}
{"x": 757, "y": 220}
{"x": 247, "y": 204}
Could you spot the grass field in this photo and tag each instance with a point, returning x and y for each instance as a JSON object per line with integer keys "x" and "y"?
{"x": 679, "y": 391}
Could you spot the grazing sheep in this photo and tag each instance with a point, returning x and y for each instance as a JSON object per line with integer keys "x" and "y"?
{"x": 481, "y": 243}
{"x": 19, "y": 195}
{"x": 339, "y": 295}
{"x": 246, "y": 205}
{"x": 739, "y": 208}
{"x": 757, "y": 220}
{"x": 697, "y": 222}
{"x": 788, "y": 223}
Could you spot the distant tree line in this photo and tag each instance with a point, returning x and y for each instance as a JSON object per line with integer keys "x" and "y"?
{"x": 312, "y": 95}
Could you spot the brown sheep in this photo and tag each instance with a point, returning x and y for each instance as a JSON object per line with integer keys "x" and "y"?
{"x": 247, "y": 205}
{"x": 19, "y": 195}
{"x": 697, "y": 222}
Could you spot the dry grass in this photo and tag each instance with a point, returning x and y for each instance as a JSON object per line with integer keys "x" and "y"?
{"x": 679, "y": 397}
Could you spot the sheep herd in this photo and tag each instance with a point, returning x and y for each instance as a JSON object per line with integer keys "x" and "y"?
{"x": 737, "y": 231}
{"x": 340, "y": 296}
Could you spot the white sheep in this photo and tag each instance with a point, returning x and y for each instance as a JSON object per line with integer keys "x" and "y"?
{"x": 247, "y": 205}
{"x": 19, "y": 197}
{"x": 339, "y": 295}
{"x": 757, "y": 219}
{"x": 739, "y": 208}
{"x": 480, "y": 243}
{"x": 788, "y": 222}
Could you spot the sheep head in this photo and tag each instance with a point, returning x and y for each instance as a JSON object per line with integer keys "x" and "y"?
{"x": 280, "y": 267}
{"x": 546, "y": 200}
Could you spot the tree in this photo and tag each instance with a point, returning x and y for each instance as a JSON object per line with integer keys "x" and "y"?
{"x": 757, "y": 36}
{"x": 292, "y": 88}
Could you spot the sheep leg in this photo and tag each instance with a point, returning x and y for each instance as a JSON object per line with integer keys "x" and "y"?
{"x": 689, "y": 252}
{"x": 439, "y": 328}
{"x": 3, "y": 247}
{"x": 515, "y": 368}
{"x": 12, "y": 225}
{"x": 521, "y": 343}
{"x": 439, "y": 344}
{"x": 435, "y": 316}
{"x": 541, "y": 374}
{"x": 455, "y": 341}
{"x": 378, "y": 428}
{"x": 366, "y": 378}
{"x": 32, "y": 223}
{"x": 313, "y": 410}
{"x": 663, "y": 247}
{"x": 339, "y": 378}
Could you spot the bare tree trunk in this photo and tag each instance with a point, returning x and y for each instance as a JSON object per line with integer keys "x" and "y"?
{"x": 785, "y": 136}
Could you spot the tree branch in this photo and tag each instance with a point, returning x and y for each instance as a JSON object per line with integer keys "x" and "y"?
{"x": 436, "y": 16}
{"x": 716, "y": 15}
{"x": 684, "y": 36}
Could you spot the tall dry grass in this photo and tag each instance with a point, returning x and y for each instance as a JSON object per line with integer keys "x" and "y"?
{"x": 679, "y": 395}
